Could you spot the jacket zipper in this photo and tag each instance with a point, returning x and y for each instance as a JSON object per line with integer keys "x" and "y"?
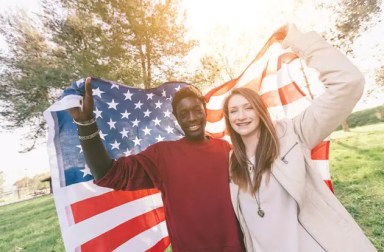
{"x": 283, "y": 157}
{"x": 310, "y": 233}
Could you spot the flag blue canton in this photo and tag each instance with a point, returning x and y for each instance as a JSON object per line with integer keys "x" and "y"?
{"x": 129, "y": 120}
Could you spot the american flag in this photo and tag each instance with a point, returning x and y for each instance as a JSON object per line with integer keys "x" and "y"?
{"x": 93, "y": 218}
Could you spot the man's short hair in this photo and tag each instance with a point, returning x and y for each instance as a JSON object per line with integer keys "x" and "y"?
{"x": 189, "y": 91}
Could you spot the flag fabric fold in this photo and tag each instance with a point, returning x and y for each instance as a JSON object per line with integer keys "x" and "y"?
{"x": 93, "y": 218}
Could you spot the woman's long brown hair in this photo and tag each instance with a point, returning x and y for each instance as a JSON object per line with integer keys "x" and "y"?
{"x": 267, "y": 149}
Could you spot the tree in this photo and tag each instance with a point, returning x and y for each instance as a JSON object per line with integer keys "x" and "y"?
{"x": 351, "y": 19}
{"x": 379, "y": 77}
{"x": 137, "y": 42}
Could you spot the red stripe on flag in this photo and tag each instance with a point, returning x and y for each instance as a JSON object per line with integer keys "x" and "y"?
{"x": 290, "y": 93}
{"x": 329, "y": 184}
{"x": 321, "y": 151}
{"x": 117, "y": 236}
{"x": 87, "y": 208}
{"x": 161, "y": 245}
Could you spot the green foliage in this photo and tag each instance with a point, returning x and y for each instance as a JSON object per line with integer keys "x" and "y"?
{"x": 351, "y": 19}
{"x": 208, "y": 72}
{"x": 366, "y": 117}
{"x": 140, "y": 43}
{"x": 357, "y": 161}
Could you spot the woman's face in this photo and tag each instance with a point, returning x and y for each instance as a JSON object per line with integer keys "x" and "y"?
{"x": 242, "y": 116}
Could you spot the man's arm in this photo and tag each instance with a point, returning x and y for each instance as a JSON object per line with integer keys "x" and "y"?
{"x": 94, "y": 151}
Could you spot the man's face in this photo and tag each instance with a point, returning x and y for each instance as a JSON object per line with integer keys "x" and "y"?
{"x": 190, "y": 115}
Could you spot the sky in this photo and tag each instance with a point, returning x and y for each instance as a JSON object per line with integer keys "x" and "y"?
{"x": 243, "y": 25}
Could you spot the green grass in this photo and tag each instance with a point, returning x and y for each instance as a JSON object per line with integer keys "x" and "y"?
{"x": 357, "y": 169}
{"x": 30, "y": 226}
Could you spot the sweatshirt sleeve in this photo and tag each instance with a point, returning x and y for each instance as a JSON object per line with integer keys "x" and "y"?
{"x": 134, "y": 172}
{"x": 344, "y": 85}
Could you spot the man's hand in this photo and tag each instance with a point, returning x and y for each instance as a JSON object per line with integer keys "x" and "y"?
{"x": 86, "y": 112}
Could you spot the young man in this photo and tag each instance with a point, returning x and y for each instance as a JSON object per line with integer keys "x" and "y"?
{"x": 191, "y": 173}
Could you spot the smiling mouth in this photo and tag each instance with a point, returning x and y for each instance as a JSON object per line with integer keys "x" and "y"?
{"x": 193, "y": 128}
{"x": 243, "y": 124}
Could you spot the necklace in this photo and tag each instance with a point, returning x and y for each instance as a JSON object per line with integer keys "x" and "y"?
{"x": 260, "y": 211}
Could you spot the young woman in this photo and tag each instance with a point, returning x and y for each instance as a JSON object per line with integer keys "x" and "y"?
{"x": 280, "y": 200}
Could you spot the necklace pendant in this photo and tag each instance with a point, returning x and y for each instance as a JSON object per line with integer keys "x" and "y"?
{"x": 261, "y": 213}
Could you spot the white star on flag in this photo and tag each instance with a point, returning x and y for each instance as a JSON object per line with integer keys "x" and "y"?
{"x": 167, "y": 113}
{"x": 159, "y": 138}
{"x": 127, "y": 152}
{"x": 158, "y": 104}
{"x": 156, "y": 121}
{"x": 138, "y": 105}
{"x": 97, "y": 92}
{"x": 147, "y": 113}
{"x": 128, "y": 96}
{"x": 125, "y": 114}
{"x": 114, "y": 86}
{"x": 135, "y": 123}
{"x": 146, "y": 131}
{"x": 150, "y": 96}
{"x": 111, "y": 124}
{"x": 112, "y": 104}
{"x": 124, "y": 133}
{"x": 86, "y": 171}
{"x": 98, "y": 113}
{"x": 169, "y": 129}
{"x": 115, "y": 145}
{"x": 137, "y": 141}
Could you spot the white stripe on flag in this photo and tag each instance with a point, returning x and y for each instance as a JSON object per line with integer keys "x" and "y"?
{"x": 322, "y": 166}
{"x": 294, "y": 108}
{"x": 215, "y": 127}
{"x": 80, "y": 191}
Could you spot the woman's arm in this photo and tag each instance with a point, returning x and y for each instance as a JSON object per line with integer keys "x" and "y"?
{"x": 344, "y": 85}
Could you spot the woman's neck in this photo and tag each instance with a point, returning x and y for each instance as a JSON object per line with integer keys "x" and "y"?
{"x": 250, "y": 144}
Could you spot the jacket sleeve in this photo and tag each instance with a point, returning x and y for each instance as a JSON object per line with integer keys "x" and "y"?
{"x": 344, "y": 85}
{"x": 133, "y": 172}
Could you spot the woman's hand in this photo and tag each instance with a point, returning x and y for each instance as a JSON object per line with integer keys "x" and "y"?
{"x": 86, "y": 112}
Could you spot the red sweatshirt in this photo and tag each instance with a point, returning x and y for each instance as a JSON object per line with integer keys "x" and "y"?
{"x": 194, "y": 182}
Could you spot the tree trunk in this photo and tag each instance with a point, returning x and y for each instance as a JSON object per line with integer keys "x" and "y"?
{"x": 345, "y": 126}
